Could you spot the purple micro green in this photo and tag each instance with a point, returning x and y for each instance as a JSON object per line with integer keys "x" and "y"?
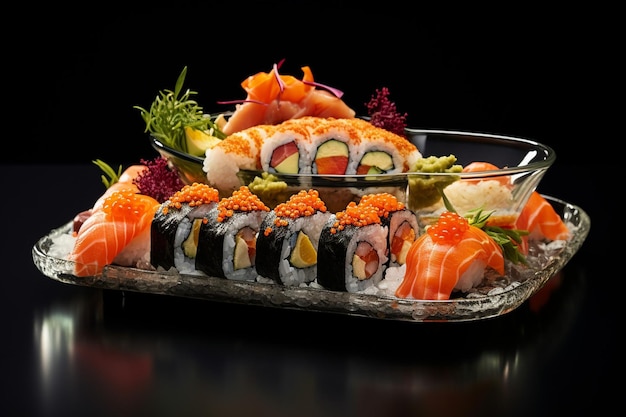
{"x": 336, "y": 92}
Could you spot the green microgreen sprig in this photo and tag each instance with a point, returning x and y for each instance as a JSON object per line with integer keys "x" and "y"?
{"x": 171, "y": 111}
{"x": 111, "y": 175}
{"x": 507, "y": 239}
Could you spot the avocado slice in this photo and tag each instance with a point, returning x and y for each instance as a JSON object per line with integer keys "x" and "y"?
{"x": 332, "y": 147}
{"x": 289, "y": 165}
{"x": 241, "y": 259}
{"x": 198, "y": 141}
{"x": 377, "y": 159}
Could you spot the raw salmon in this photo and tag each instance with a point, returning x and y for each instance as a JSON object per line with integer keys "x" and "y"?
{"x": 541, "y": 221}
{"x": 120, "y": 223}
{"x": 452, "y": 254}
{"x": 478, "y": 166}
{"x": 273, "y": 98}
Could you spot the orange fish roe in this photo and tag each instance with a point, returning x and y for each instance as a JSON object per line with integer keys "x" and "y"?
{"x": 195, "y": 194}
{"x": 241, "y": 200}
{"x": 302, "y": 204}
{"x": 128, "y": 205}
{"x": 449, "y": 229}
{"x": 355, "y": 215}
{"x": 384, "y": 202}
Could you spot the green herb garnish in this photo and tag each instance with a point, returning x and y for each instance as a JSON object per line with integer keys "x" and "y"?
{"x": 171, "y": 112}
{"x": 113, "y": 176}
{"x": 508, "y": 239}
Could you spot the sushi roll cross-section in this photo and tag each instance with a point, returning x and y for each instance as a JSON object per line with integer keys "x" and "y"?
{"x": 227, "y": 240}
{"x": 289, "y": 237}
{"x": 176, "y": 225}
{"x": 352, "y": 253}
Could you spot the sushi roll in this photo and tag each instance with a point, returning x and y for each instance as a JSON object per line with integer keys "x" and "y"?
{"x": 285, "y": 151}
{"x": 227, "y": 240}
{"x": 289, "y": 237}
{"x": 176, "y": 224}
{"x": 333, "y": 147}
{"x": 238, "y": 151}
{"x": 354, "y": 146}
{"x": 352, "y": 254}
{"x": 401, "y": 222}
{"x": 381, "y": 151}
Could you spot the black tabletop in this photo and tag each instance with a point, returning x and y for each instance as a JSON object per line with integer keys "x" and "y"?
{"x": 72, "y": 349}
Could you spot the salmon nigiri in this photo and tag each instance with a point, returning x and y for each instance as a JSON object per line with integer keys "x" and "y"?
{"x": 121, "y": 223}
{"x": 273, "y": 98}
{"x": 451, "y": 255}
{"x": 541, "y": 221}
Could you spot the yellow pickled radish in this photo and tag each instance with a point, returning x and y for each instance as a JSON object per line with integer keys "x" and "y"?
{"x": 304, "y": 254}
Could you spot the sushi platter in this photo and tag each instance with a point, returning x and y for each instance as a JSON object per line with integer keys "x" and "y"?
{"x": 292, "y": 201}
{"x": 482, "y": 302}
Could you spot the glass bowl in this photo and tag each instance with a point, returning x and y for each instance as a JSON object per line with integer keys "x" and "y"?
{"x": 504, "y": 191}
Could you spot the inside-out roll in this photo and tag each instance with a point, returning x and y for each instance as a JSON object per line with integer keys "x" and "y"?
{"x": 285, "y": 150}
{"x": 238, "y": 151}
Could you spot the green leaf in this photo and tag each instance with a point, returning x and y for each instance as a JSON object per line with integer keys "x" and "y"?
{"x": 113, "y": 176}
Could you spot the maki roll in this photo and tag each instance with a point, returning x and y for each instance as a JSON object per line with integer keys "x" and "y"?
{"x": 352, "y": 254}
{"x": 381, "y": 151}
{"x": 333, "y": 147}
{"x": 227, "y": 240}
{"x": 285, "y": 150}
{"x": 289, "y": 238}
{"x": 401, "y": 222}
{"x": 176, "y": 224}
{"x": 355, "y": 146}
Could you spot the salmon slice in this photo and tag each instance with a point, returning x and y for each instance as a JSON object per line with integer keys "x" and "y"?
{"x": 541, "y": 221}
{"x": 478, "y": 166}
{"x": 434, "y": 270}
{"x": 273, "y": 98}
{"x": 122, "y": 217}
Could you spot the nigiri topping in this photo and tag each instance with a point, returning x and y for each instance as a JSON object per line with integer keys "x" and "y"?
{"x": 449, "y": 229}
{"x": 127, "y": 205}
{"x": 195, "y": 194}
{"x": 240, "y": 200}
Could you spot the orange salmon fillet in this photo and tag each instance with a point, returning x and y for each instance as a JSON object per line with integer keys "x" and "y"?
{"x": 434, "y": 269}
{"x": 120, "y": 218}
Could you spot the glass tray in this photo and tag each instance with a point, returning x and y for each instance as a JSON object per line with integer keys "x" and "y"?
{"x": 480, "y": 304}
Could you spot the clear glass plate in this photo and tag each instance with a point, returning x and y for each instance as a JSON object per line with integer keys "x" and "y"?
{"x": 483, "y": 302}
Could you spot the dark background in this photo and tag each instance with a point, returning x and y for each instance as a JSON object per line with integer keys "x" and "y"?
{"x": 76, "y": 80}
